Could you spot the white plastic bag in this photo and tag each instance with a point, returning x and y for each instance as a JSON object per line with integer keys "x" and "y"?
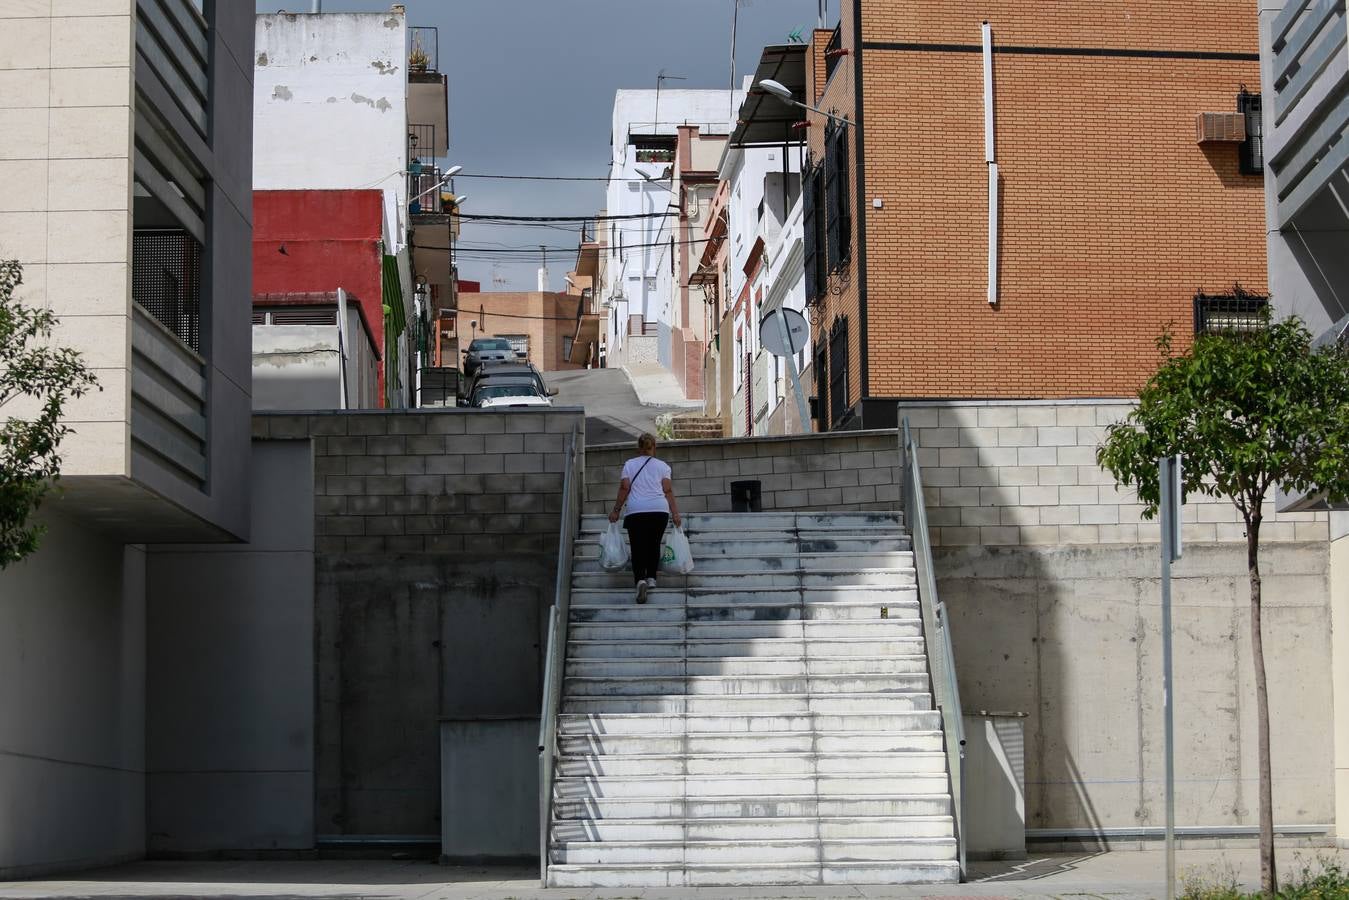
{"x": 675, "y": 555}
{"x": 613, "y": 549}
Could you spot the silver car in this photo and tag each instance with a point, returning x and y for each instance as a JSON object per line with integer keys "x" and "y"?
{"x": 487, "y": 350}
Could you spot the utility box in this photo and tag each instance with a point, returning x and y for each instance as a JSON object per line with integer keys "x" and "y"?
{"x": 995, "y": 785}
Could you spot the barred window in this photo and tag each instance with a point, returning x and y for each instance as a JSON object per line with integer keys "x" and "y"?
{"x": 1251, "y": 152}
{"x": 838, "y": 370}
{"x": 1234, "y": 313}
{"x": 838, "y": 212}
{"x": 822, "y": 384}
{"x": 812, "y": 223}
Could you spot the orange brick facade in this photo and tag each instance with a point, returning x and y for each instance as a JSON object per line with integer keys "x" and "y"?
{"x": 1112, "y": 216}
{"x": 544, "y": 318}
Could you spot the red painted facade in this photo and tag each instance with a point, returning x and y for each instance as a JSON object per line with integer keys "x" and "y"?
{"x": 317, "y": 241}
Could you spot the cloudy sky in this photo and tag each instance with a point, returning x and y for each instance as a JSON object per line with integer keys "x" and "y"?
{"x": 532, "y": 87}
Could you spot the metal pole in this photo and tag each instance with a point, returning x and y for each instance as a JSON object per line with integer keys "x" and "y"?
{"x": 1168, "y": 474}
{"x": 801, "y": 406}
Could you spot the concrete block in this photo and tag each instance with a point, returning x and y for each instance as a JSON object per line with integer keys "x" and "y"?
{"x": 997, "y": 417}
{"x": 367, "y": 506}
{"x": 884, "y": 458}
{"x": 1037, "y": 456}
{"x": 467, "y": 444}
{"x": 523, "y": 503}
{"x": 364, "y": 465}
{"x": 484, "y": 423}
{"x": 1020, "y": 515}
{"x": 367, "y": 424}
{"x": 1278, "y": 532}
{"x": 957, "y": 416}
{"x": 943, "y": 515}
{"x": 786, "y": 465}
{"x": 504, "y": 443}
{"x": 386, "y": 485}
{"x": 697, "y": 468}
{"x": 699, "y": 504}
{"x": 424, "y": 444}
{"x": 803, "y": 481}
{"x": 474, "y": 465}
{"x": 888, "y": 493}
{"x": 345, "y": 526}
{"x": 1193, "y": 532}
{"x": 409, "y": 505}
{"x": 331, "y": 465}
{"x": 289, "y": 427}
{"x": 999, "y": 496}
{"x": 429, "y": 485}
{"x": 823, "y": 497}
{"x": 486, "y": 503}
{"x": 341, "y": 485}
{"x": 383, "y": 525}
{"x": 1077, "y": 456}
{"x": 444, "y": 543}
{"x": 782, "y": 499}
{"x": 1036, "y": 415}
{"x": 863, "y": 459}
{"x": 1039, "y": 534}
{"x": 1060, "y": 515}
{"x": 405, "y": 465}
{"x": 931, "y": 495}
{"x": 1109, "y": 415}
{"x": 482, "y": 543}
{"x": 1119, "y": 534}
{"x": 978, "y": 476}
{"x": 1018, "y": 475}
{"x": 937, "y": 437}
{"x": 407, "y": 423}
{"x": 464, "y": 524}
{"x": 718, "y": 468}
{"x": 956, "y": 537}
{"x": 1089, "y": 437}
{"x": 405, "y": 543}
{"x": 931, "y": 477}
{"x": 1116, "y": 495}
{"x": 1079, "y": 495}
{"x": 1017, "y": 437}
{"x": 1091, "y": 474}
{"x": 921, "y": 416}
{"x": 338, "y": 446}
{"x": 824, "y": 462}
{"x": 1075, "y": 414}
{"x": 385, "y": 445}
{"x": 956, "y": 457}
{"x": 751, "y": 466}
{"x": 1038, "y": 495}
{"x": 706, "y": 486}
{"x": 842, "y": 478}
{"x": 981, "y": 515}
{"x": 261, "y": 428}
{"x": 447, "y": 504}
{"x": 445, "y": 465}
{"x": 1056, "y": 474}
{"x": 976, "y": 437}
{"x": 997, "y": 456}
{"x": 1310, "y": 531}
{"x": 329, "y": 545}
{"x": 961, "y": 496}
{"x": 1130, "y": 513}
{"x": 326, "y": 426}
{"x": 330, "y": 506}
{"x": 1079, "y": 534}
{"x": 1054, "y": 436}
{"x": 563, "y": 424}
{"x": 524, "y": 462}
{"x": 1100, "y": 514}
{"x": 445, "y": 423}
{"x": 929, "y": 459}
{"x": 861, "y": 494}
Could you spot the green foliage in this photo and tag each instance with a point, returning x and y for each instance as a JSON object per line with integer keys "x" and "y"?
{"x": 41, "y": 378}
{"x": 1322, "y": 878}
{"x": 665, "y": 426}
{"x": 1247, "y": 412}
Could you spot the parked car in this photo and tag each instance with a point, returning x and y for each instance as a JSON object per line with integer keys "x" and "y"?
{"x": 505, "y": 394}
{"x": 484, "y": 350}
{"x": 496, "y": 371}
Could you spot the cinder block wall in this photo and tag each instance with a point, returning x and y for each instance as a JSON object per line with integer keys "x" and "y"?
{"x": 856, "y": 470}
{"x": 1025, "y": 473}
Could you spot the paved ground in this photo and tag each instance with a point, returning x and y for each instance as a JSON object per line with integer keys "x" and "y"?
{"x": 1123, "y": 875}
{"x": 613, "y": 413}
{"x": 659, "y": 387}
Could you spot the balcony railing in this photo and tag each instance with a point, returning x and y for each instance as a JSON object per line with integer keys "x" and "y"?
{"x": 423, "y": 49}
{"x": 166, "y": 280}
{"x": 424, "y": 189}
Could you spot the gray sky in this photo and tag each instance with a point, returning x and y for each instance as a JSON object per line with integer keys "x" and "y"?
{"x": 532, "y": 88}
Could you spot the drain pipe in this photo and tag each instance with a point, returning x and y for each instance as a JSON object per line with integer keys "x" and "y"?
{"x": 990, "y": 157}
{"x": 316, "y": 6}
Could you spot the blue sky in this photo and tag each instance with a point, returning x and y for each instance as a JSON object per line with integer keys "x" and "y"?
{"x": 531, "y": 92}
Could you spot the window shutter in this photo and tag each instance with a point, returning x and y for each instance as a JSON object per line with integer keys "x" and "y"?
{"x": 831, "y": 189}
{"x": 808, "y": 227}
{"x": 836, "y": 195}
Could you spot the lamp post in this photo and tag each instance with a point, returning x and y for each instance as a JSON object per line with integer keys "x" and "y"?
{"x": 449, "y": 173}
{"x": 784, "y": 93}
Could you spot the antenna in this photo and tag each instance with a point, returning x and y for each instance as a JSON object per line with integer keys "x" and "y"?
{"x": 498, "y": 280}
{"x": 661, "y": 76}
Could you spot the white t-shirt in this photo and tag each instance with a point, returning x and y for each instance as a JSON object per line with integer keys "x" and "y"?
{"x": 646, "y": 494}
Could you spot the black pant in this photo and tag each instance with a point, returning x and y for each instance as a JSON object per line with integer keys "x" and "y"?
{"x": 644, "y": 533}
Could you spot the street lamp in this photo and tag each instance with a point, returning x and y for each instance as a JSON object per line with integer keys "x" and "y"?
{"x": 784, "y": 93}
{"x": 449, "y": 173}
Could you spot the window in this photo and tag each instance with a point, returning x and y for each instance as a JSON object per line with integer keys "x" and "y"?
{"x": 518, "y": 342}
{"x": 166, "y": 280}
{"x": 838, "y": 370}
{"x": 822, "y": 385}
{"x": 567, "y": 343}
{"x": 654, "y": 149}
{"x": 1234, "y": 313}
{"x": 1251, "y": 152}
{"x": 838, "y": 213}
{"x": 813, "y": 229}
{"x": 832, "y": 52}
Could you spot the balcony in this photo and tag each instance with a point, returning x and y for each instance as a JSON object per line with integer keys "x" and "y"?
{"x": 428, "y": 90}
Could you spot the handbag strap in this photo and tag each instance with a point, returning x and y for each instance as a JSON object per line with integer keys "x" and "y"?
{"x": 633, "y": 482}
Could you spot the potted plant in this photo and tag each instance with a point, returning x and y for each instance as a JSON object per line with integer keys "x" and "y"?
{"x": 417, "y": 59}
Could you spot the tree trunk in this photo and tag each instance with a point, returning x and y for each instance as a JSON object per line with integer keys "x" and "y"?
{"x": 1269, "y": 881}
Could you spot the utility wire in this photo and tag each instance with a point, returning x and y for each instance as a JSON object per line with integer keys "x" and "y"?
{"x": 476, "y": 217}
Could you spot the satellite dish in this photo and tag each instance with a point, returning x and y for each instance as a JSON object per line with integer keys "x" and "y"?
{"x": 771, "y": 335}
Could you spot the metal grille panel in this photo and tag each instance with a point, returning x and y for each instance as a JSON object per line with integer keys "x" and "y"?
{"x": 166, "y": 280}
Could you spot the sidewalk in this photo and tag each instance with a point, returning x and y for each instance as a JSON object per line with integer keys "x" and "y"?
{"x": 656, "y": 386}
{"x": 1122, "y": 875}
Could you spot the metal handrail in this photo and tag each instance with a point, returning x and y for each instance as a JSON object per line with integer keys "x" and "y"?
{"x": 941, "y": 657}
{"x": 555, "y": 659}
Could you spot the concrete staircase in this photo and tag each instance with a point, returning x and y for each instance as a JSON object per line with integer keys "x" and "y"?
{"x": 693, "y": 427}
{"x": 764, "y": 720}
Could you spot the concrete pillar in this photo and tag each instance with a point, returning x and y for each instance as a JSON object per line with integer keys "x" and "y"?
{"x": 1339, "y": 619}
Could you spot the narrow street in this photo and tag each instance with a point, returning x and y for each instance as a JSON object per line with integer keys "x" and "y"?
{"x": 613, "y": 413}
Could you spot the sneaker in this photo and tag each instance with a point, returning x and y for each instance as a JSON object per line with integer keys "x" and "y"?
{"x": 641, "y": 591}
{"x": 651, "y": 583}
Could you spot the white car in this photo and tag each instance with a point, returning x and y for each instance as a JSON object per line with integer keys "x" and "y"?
{"x": 503, "y": 396}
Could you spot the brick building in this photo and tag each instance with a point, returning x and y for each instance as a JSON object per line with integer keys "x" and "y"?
{"x": 539, "y": 324}
{"x": 1111, "y": 222}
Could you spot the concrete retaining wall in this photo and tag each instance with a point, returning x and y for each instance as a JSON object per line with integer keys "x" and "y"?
{"x": 838, "y": 471}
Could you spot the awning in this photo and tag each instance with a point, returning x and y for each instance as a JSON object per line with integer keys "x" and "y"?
{"x": 765, "y": 120}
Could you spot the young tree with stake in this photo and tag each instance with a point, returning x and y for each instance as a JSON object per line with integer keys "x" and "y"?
{"x": 1248, "y": 412}
{"x": 45, "y": 376}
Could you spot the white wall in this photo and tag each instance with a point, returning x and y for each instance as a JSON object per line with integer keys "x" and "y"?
{"x": 72, "y": 704}
{"x": 330, "y": 102}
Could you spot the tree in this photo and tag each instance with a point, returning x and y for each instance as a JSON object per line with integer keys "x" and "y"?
{"x": 1248, "y": 412}
{"x": 44, "y": 377}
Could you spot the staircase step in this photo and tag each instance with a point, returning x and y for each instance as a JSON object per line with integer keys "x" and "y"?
{"x": 661, "y": 608}
{"x": 703, "y": 786}
{"x": 808, "y": 630}
{"x": 747, "y": 764}
{"x": 720, "y": 648}
{"x": 747, "y": 723}
{"x": 746, "y": 875}
{"x": 781, "y": 704}
{"x": 759, "y": 807}
{"x": 782, "y": 562}
{"x": 724, "y": 685}
{"x": 729, "y": 578}
{"x": 775, "y": 520}
{"x": 753, "y": 851}
{"x": 759, "y": 742}
{"x": 746, "y": 665}
{"x": 572, "y": 831}
{"x": 742, "y": 594}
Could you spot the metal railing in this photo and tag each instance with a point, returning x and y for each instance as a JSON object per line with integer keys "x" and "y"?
{"x": 937, "y": 634}
{"x": 555, "y": 661}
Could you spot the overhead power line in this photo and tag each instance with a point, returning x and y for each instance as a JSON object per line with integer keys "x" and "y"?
{"x": 479, "y": 217}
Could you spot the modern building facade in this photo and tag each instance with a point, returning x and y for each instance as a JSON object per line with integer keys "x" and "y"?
{"x": 1022, "y": 221}
{"x": 126, "y": 155}
{"x": 355, "y": 104}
